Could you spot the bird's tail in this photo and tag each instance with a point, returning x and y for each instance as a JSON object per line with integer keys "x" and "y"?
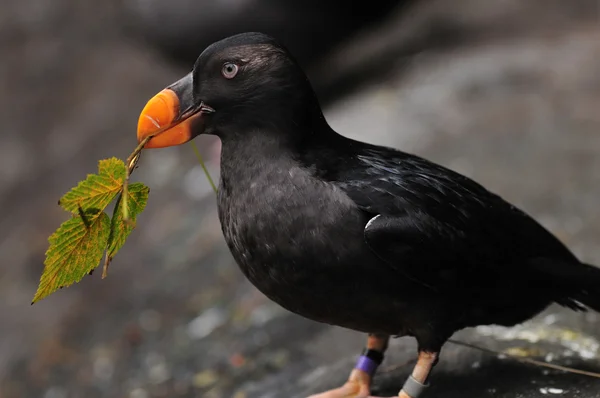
{"x": 578, "y": 283}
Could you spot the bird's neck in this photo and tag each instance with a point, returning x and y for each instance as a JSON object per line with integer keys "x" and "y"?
{"x": 247, "y": 154}
{"x": 253, "y": 154}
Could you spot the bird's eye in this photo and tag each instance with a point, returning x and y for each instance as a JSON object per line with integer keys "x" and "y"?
{"x": 229, "y": 70}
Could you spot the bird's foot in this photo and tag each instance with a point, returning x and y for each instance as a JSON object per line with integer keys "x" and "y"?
{"x": 357, "y": 386}
{"x": 349, "y": 390}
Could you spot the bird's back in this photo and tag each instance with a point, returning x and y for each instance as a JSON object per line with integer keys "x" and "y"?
{"x": 382, "y": 180}
{"x": 460, "y": 236}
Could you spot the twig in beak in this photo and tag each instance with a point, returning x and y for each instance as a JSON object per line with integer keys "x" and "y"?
{"x": 132, "y": 161}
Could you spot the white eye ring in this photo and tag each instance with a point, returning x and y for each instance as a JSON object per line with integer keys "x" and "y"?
{"x": 229, "y": 70}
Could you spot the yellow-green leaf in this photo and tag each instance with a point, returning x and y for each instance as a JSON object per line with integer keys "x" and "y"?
{"x": 75, "y": 250}
{"x": 97, "y": 190}
{"x": 119, "y": 230}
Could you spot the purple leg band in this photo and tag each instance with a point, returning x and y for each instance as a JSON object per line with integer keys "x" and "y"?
{"x": 367, "y": 365}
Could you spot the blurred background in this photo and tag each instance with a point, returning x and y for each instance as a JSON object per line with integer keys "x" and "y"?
{"x": 504, "y": 91}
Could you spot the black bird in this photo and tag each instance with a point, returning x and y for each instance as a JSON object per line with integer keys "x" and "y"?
{"x": 357, "y": 235}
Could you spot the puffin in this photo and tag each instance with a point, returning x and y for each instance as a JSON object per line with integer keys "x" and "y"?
{"x": 352, "y": 234}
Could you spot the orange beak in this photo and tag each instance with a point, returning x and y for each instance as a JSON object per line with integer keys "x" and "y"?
{"x": 171, "y": 117}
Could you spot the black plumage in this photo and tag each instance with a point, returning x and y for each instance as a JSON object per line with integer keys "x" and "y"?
{"x": 362, "y": 236}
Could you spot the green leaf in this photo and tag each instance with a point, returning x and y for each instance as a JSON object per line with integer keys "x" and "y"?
{"x": 97, "y": 190}
{"x": 75, "y": 250}
{"x": 137, "y": 197}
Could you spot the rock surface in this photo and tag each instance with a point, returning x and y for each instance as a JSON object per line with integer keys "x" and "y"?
{"x": 506, "y": 92}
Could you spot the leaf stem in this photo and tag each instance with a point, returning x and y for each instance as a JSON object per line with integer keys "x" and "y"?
{"x": 131, "y": 163}
{"x": 197, "y": 152}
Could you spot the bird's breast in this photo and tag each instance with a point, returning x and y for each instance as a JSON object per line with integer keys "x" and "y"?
{"x": 288, "y": 230}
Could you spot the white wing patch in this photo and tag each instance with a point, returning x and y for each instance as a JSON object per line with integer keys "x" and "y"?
{"x": 371, "y": 220}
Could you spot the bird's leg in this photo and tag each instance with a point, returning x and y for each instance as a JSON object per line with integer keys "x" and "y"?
{"x": 359, "y": 382}
{"x": 417, "y": 381}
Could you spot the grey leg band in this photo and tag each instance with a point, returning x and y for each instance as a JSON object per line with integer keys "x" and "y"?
{"x": 413, "y": 388}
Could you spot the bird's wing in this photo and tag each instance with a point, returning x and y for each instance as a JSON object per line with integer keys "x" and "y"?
{"x": 439, "y": 227}
{"x": 416, "y": 246}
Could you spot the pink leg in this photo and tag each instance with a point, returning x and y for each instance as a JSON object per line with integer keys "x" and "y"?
{"x": 417, "y": 382}
{"x": 359, "y": 382}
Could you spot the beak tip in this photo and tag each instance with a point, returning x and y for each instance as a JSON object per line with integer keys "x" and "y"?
{"x": 159, "y": 112}
{"x": 146, "y": 126}
{"x": 172, "y": 117}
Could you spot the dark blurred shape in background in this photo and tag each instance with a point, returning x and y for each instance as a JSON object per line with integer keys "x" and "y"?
{"x": 311, "y": 29}
{"x": 181, "y": 28}
{"x": 506, "y": 92}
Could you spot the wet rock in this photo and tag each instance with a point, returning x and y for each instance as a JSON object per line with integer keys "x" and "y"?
{"x": 204, "y": 324}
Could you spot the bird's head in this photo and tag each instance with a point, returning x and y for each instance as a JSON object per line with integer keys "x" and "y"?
{"x": 244, "y": 82}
